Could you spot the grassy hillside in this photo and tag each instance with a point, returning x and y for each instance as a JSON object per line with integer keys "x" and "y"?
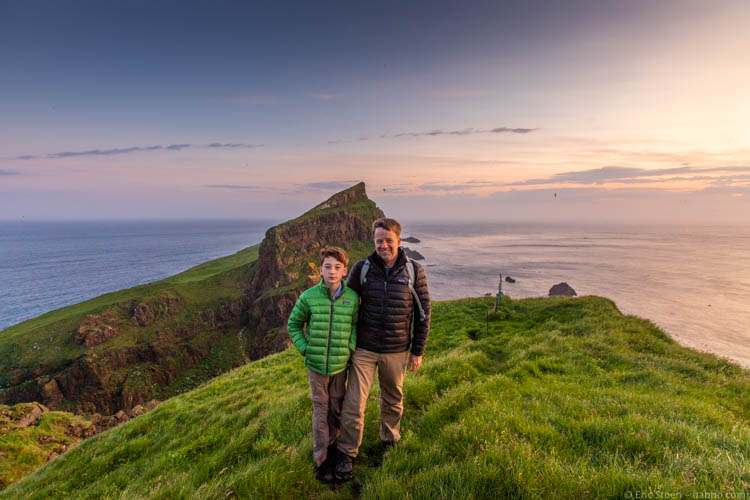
{"x": 46, "y": 342}
{"x": 26, "y": 445}
{"x": 552, "y": 396}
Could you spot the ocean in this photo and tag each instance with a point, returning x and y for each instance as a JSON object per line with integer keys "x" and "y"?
{"x": 48, "y": 265}
{"x": 694, "y": 282}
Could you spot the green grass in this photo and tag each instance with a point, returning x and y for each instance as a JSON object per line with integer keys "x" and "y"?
{"x": 23, "y": 450}
{"x": 551, "y": 397}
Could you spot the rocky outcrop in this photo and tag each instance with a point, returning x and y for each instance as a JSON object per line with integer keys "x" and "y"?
{"x": 155, "y": 309}
{"x": 29, "y": 414}
{"x": 96, "y": 328}
{"x": 412, "y": 254}
{"x": 51, "y": 393}
{"x": 410, "y": 239}
{"x": 288, "y": 260}
{"x": 562, "y": 290}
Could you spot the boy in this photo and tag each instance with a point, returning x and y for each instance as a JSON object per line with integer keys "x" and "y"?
{"x": 329, "y": 309}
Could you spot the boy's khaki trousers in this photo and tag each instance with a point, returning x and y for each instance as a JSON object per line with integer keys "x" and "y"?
{"x": 391, "y": 368}
{"x": 327, "y": 394}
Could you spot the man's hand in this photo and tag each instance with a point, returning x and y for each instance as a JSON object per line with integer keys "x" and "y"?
{"x": 414, "y": 362}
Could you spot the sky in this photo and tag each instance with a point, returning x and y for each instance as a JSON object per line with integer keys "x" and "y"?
{"x": 577, "y": 111}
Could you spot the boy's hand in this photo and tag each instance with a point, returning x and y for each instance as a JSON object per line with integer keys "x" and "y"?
{"x": 414, "y": 362}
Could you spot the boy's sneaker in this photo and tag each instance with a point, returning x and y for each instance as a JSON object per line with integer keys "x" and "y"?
{"x": 343, "y": 470}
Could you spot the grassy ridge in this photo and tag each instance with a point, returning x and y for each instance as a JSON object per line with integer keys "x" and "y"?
{"x": 47, "y": 339}
{"x": 549, "y": 396}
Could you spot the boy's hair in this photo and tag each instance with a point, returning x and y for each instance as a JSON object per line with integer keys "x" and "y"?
{"x": 388, "y": 225}
{"x": 337, "y": 253}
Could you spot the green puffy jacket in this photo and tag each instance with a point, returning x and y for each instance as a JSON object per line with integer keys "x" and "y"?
{"x": 331, "y": 328}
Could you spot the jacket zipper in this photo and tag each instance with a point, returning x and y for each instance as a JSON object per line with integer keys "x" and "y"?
{"x": 330, "y": 330}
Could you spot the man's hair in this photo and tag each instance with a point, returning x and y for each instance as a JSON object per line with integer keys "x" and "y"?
{"x": 388, "y": 225}
{"x": 337, "y": 253}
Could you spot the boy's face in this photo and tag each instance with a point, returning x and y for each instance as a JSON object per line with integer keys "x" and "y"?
{"x": 332, "y": 271}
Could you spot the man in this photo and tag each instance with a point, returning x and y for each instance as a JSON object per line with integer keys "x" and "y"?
{"x": 385, "y": 341}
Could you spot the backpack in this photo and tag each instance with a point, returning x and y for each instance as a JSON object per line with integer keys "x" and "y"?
{"x": 411, "y": 270}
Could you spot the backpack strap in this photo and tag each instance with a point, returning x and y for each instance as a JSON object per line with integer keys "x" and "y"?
{"x": 411, "y": 270}
{"x": 363, "y": 272}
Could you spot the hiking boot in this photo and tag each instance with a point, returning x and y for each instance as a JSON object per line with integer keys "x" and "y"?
{"x": 324, "y": 473}
{"x": 343, "y": 470}
{"x": 387, "y": 445}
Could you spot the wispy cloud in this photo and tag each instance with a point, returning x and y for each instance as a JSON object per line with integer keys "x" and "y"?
{"x": 136, "y": 149}
{"x": 439, "y": 132}
{"x": 466, "y": 131}
{"x": 232, "y": 145}
{"x": 321, "y": 96}
{"x": 500, "y": 130}
{"x": 615, "y": 174}
{"x": 104, "y": 152}
{"x": 8, "y": 172}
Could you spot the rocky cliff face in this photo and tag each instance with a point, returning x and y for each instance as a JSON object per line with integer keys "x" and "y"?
{"x": 118, "y": 377}
{"x": 288, "y": 261}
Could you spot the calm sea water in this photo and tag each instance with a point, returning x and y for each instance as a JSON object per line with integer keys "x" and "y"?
{"x": 47, "y": 265}
{"x": 692, "y": 281}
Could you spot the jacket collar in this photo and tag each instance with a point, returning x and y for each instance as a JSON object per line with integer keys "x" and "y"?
{"x": 326, "y": 290}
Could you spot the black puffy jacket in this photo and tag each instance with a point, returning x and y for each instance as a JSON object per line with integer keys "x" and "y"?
{"x": 385, "y": 312}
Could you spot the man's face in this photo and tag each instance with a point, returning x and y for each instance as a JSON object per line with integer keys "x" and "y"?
{"x": 332, "y": 271}
{"x": 386, "y": 245}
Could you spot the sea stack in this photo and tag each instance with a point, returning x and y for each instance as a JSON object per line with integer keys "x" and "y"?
{"x": 562, "y": 290}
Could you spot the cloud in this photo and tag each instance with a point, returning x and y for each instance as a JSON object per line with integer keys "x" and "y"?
{"x": 438, "y": 132}
{"x": 8, "y": 172}
{"x": 514, "y": 130}
{"x": 232, "y": 145}
{"x": 614, "y": 174}
{"x": 234, "y": 186}
{"x": 136, "y": 149}
{"x": 325, "y": 186}
{"x": 321, "y": 96}
{"x": 103, "y": 152}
